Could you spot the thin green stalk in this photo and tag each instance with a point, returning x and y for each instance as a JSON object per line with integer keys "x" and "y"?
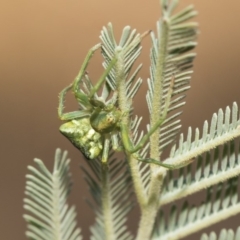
{"x": 158, "y": 90}
{"x": 158, "y": 123}
{"x": 106, "y": 204}
{"x": 156, "y": 107}
{"x": 149, "y": 211}
{"x": 137, "y": 181}
{"x": 56, "y": 206}
{"x": 124, "y": 106}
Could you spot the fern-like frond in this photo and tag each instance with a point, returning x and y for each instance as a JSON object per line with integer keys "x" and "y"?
{"x": 223, "y": 128}
{"x": 86, "y": 86}
{"x": 50, "y": 216}
{"x": 111, "y": 191}
{"x": 216, "y": 166}
{"x": 170, "y": 60}
{"x": 223, "y": 235}
{"x": 130, "y": 43}
{"x": 221, "y": 203}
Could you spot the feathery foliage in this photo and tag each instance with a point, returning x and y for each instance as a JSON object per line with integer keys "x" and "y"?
{"x": 111, "y": 192}
{"x": 223, "y": 235}
{"x": 105, "y": 123}
{"x": 130, "y": 43}
{"x": 189, "y": 219}
{"x": 175, "y": 38}
{"x": 216, "y": 166}
{"x": 49, "y": 216}
{"x": 222, "y": 129}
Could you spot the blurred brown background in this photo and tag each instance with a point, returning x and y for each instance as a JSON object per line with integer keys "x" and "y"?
{"x": 43, "y": 43}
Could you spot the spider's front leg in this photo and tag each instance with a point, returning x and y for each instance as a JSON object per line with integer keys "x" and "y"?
{"x": 162, "y": 164}
{"x": 131, "y": 149}
{"x": 84, "y": 67}
{"x": 82, "y": 98}
{"x": 70, "y": 115}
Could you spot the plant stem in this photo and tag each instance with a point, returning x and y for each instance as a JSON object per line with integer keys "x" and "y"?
{"x": 124, "y": 106}
{"x": 56, "y": 206}
{"x": 149, "y": 211}
{"x": 147, "y": 220}
{"x": 137, "y": 181}
{"x": 106, "y": 204}
{"x": 157, "y": 100}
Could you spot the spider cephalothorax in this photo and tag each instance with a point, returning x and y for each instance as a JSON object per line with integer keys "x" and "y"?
{"x": 104, "y": 120}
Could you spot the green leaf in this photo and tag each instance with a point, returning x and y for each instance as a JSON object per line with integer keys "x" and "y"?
{"x": 130, "y": 43}
{"x": 222, "y": 202}
{"x": 50, "y": 217}
{"x": 223, "y": 235}
{"x": 110, "y": 188}
{"x": 222, "y": 130}
{"x": 216, "y": 166}
{"x": 180, "y": 37}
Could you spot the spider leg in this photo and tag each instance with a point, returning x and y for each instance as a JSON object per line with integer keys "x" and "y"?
{"x": 113, "y": 100}
{"x": 124, "y": 128}
{"x": 115, "y": 142}
{"x": 80, "y": 96}
{"x": 103, "y": 77}
{"x": 82, "y": 71}
{"x": 70, "y": 115}
{"x": 162, "y": 164}
{"x": 106, "y": 148}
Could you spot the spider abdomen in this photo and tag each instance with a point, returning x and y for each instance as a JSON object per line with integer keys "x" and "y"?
{"x": 83, "y": 136}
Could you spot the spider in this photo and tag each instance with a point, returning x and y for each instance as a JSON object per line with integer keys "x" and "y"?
{"x": 99, "y": 121}
{"x": 91, "y": 128}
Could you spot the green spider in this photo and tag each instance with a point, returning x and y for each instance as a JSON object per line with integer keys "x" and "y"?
{"x": 92, "y": 128}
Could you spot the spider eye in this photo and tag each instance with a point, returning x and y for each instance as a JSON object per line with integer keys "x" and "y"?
{"x": 110, "y": 119}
